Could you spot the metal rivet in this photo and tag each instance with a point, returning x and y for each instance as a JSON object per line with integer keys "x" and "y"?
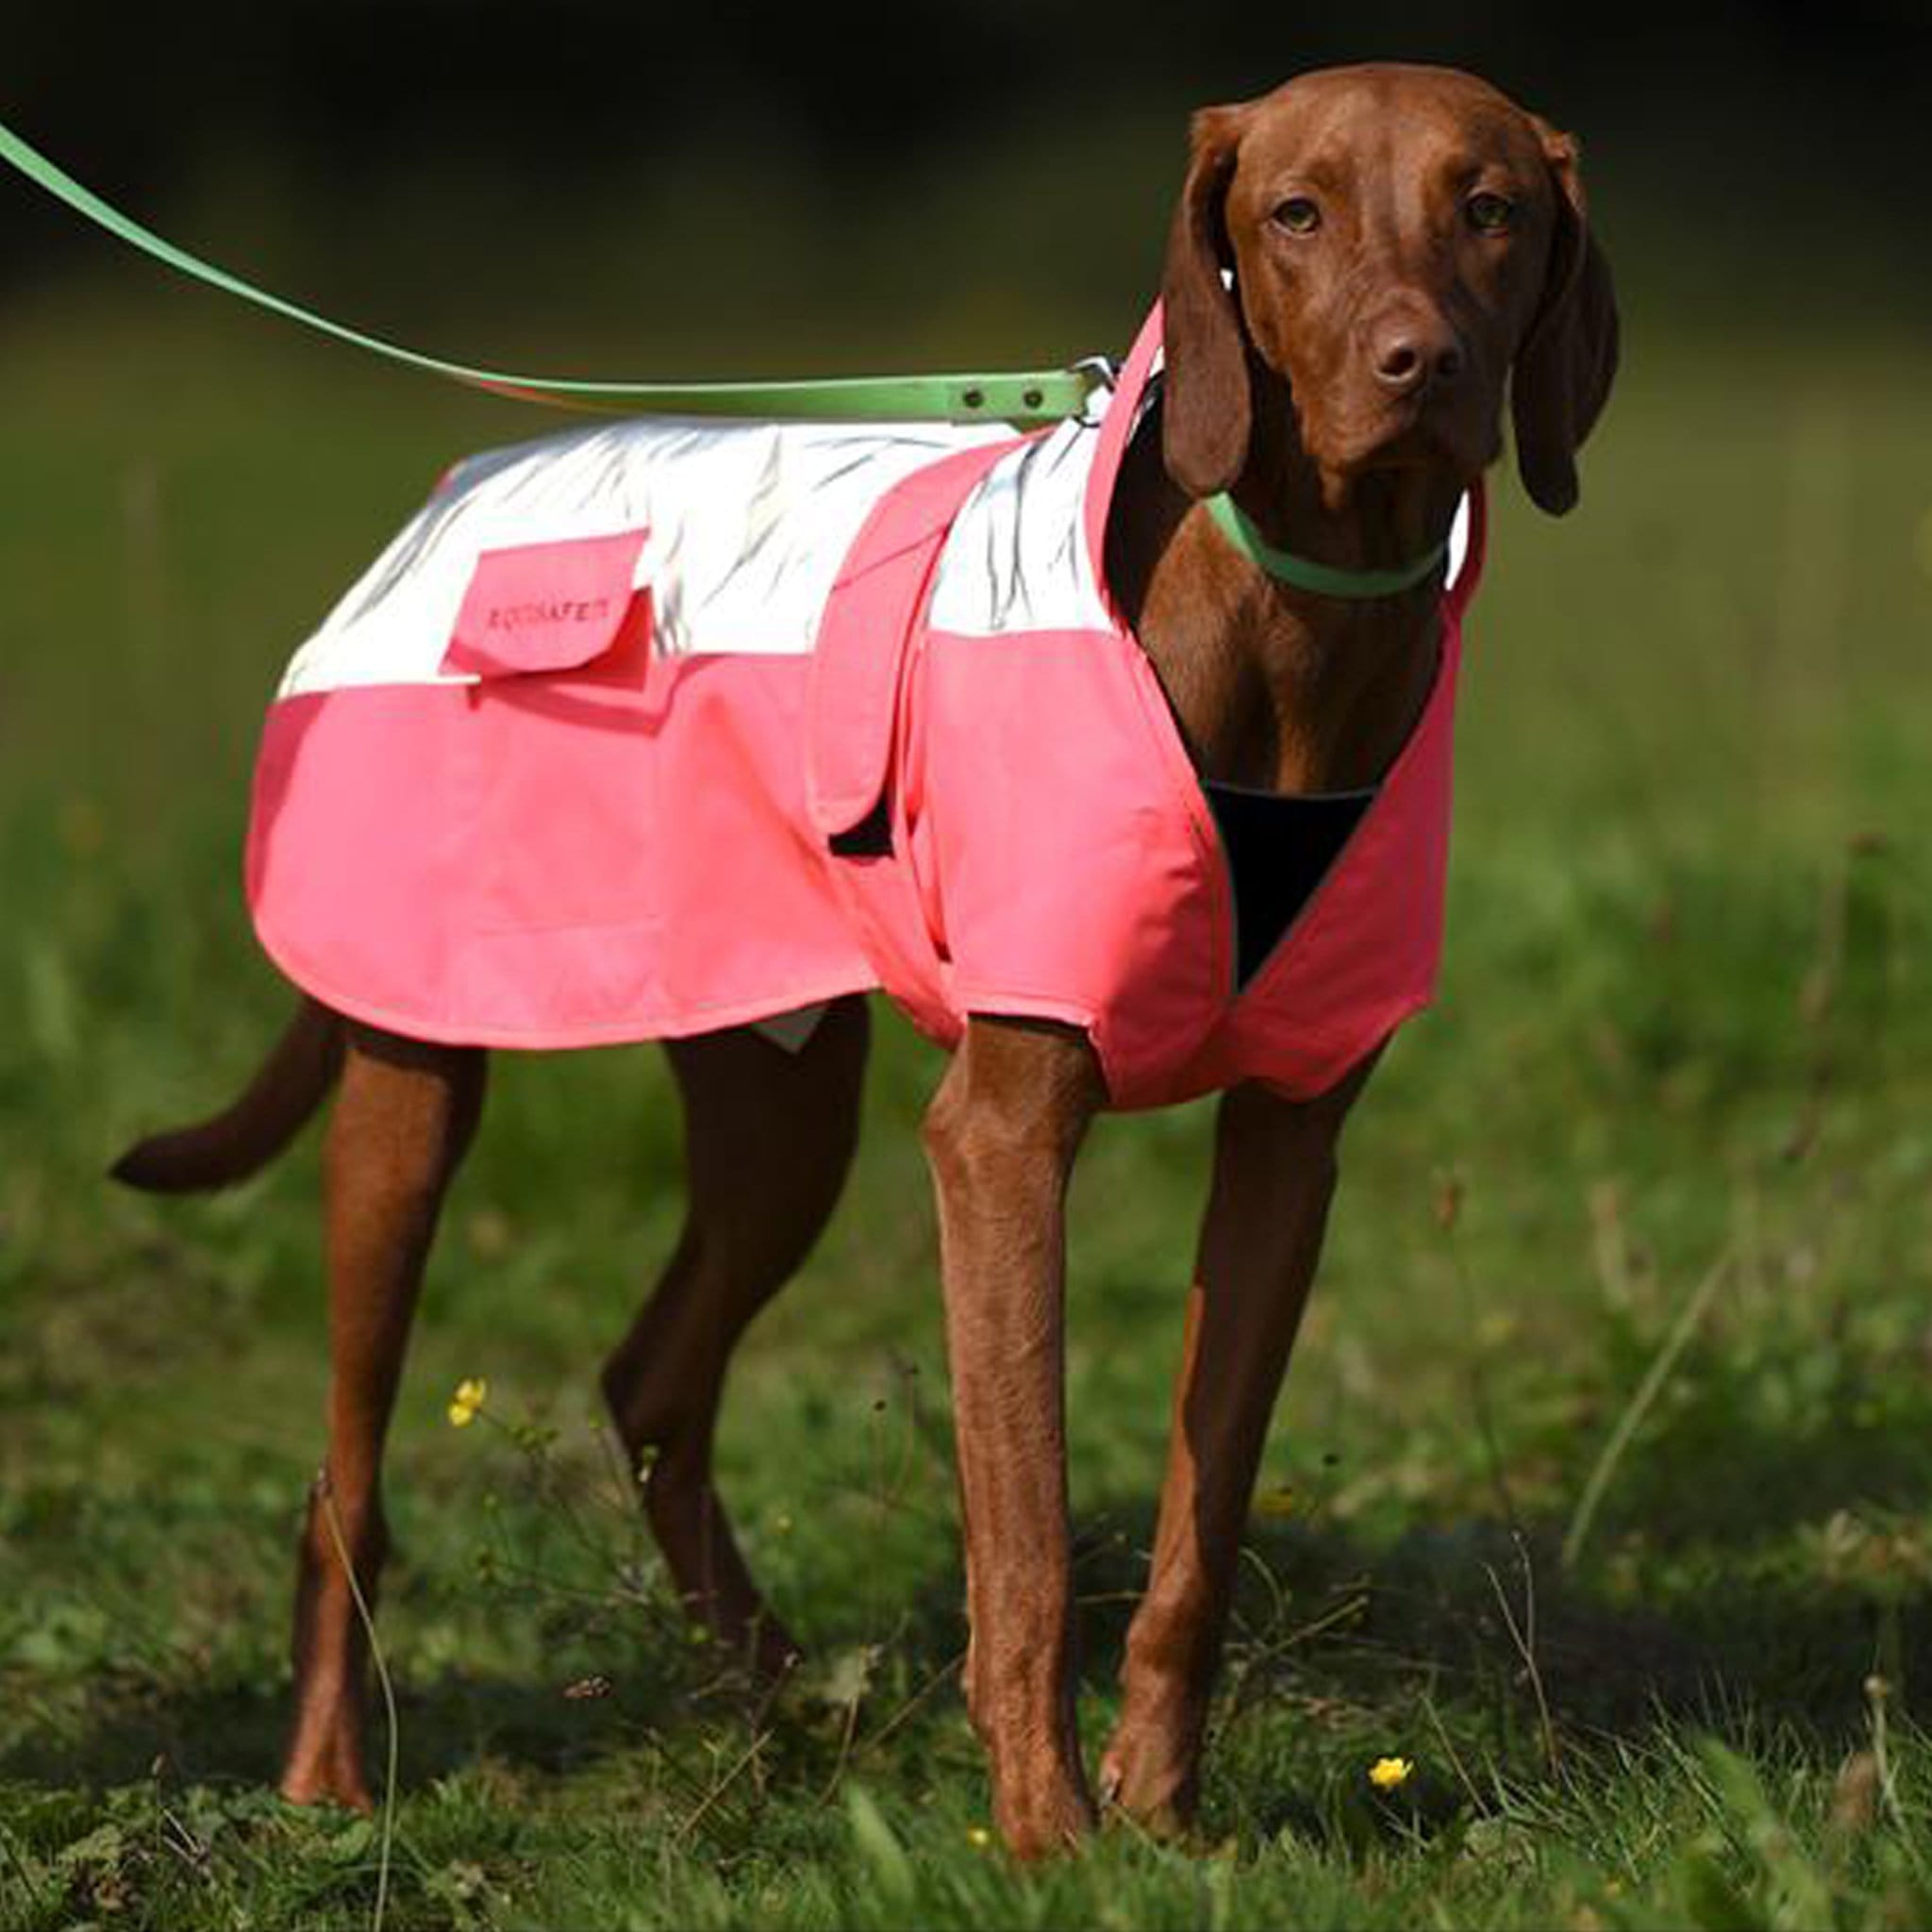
{"x": 975, "y": 398}
{"x": 1032, "y": 398}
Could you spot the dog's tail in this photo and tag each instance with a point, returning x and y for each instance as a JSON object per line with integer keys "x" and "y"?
{"x": 244, "y": 1137}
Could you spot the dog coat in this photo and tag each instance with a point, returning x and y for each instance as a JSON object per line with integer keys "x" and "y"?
{"x": 663, "y": 726}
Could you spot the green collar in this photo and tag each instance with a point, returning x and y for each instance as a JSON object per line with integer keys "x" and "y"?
{"x": 1307, "y": 574}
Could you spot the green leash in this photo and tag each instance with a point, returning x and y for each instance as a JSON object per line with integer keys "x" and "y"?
{"x": 1305, "y": 574}
{"x": 1008, "y": 396}
{"x": 1030, "y": 396}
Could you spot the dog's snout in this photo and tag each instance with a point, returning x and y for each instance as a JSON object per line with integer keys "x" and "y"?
{"x": 1412, "y": 352}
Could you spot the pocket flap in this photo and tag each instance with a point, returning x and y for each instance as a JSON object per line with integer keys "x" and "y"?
{"x": 543, "y": 607}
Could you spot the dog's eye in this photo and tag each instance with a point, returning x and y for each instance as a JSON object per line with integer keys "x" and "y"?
{"x": 1491, "y": 214}
{"x": 1298, "y": 215}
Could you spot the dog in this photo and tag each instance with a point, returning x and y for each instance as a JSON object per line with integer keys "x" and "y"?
{"x": 1363, "y": 266}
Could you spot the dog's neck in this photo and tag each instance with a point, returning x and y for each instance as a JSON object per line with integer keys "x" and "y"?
{"x": 1272, "y": 686}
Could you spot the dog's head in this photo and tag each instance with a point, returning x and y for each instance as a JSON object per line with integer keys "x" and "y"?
{"x": 1402, "y": 243}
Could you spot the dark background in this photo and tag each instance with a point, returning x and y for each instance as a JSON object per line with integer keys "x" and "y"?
{"x": 522, "y": 176}
{"x": 355, "y": 91}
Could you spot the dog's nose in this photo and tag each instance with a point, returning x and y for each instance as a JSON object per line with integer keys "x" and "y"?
{"x": 1412, "y": 353}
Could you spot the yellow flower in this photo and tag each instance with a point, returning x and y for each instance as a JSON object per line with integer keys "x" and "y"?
{"x": 1496, "y": 1328}
{"x": 978, "y": 1836}
{"x": 1388, "y": 1774}
{"x": 467, "y": 1399}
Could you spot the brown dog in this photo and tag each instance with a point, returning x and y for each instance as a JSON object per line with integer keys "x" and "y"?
{"x": 1402, "y": 241}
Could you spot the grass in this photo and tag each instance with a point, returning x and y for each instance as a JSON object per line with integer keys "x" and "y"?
{"x": 1684, "y": 1050}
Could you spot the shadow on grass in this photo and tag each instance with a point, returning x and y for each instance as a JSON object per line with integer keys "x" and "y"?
{"x": 1481, "y": 1615}
{"x": 1473, "y": 1616}
{"x": 236, "y": 1735}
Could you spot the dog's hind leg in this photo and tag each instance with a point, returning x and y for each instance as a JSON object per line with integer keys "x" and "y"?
{"x": 769, "y": 1137}
{"x": 405, "y": 1117}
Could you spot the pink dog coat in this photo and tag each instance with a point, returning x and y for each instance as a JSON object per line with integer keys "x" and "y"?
{"x": 664, "y": 727}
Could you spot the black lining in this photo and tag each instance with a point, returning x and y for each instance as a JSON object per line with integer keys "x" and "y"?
{"x": 870, "y": 837}
{"x": 1279, "y": 847}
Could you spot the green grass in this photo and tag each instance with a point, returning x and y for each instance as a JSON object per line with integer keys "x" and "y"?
{"x": 1686, "y": 1019}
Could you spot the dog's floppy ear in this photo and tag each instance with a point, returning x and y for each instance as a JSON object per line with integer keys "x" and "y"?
{"x": 1205, "y": 406}
{"x": 1568, "y": 354}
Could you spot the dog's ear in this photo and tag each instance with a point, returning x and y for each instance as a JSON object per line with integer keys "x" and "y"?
{"x": 1205, "y": 404}
{"x": 1568, "y": 356}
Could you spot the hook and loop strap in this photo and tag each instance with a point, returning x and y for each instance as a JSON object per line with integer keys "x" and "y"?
{"x": 999, "y": 397}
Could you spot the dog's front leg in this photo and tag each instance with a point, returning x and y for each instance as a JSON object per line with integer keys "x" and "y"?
{"x": 1001, "y": 1137}
{"x": 1275, "y": 1174}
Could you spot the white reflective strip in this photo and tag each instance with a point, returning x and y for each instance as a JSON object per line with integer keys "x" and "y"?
{"x": 1016, "y": 559}
{"x": 748, "y": 524}
{"x": 1458, "y": 543}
